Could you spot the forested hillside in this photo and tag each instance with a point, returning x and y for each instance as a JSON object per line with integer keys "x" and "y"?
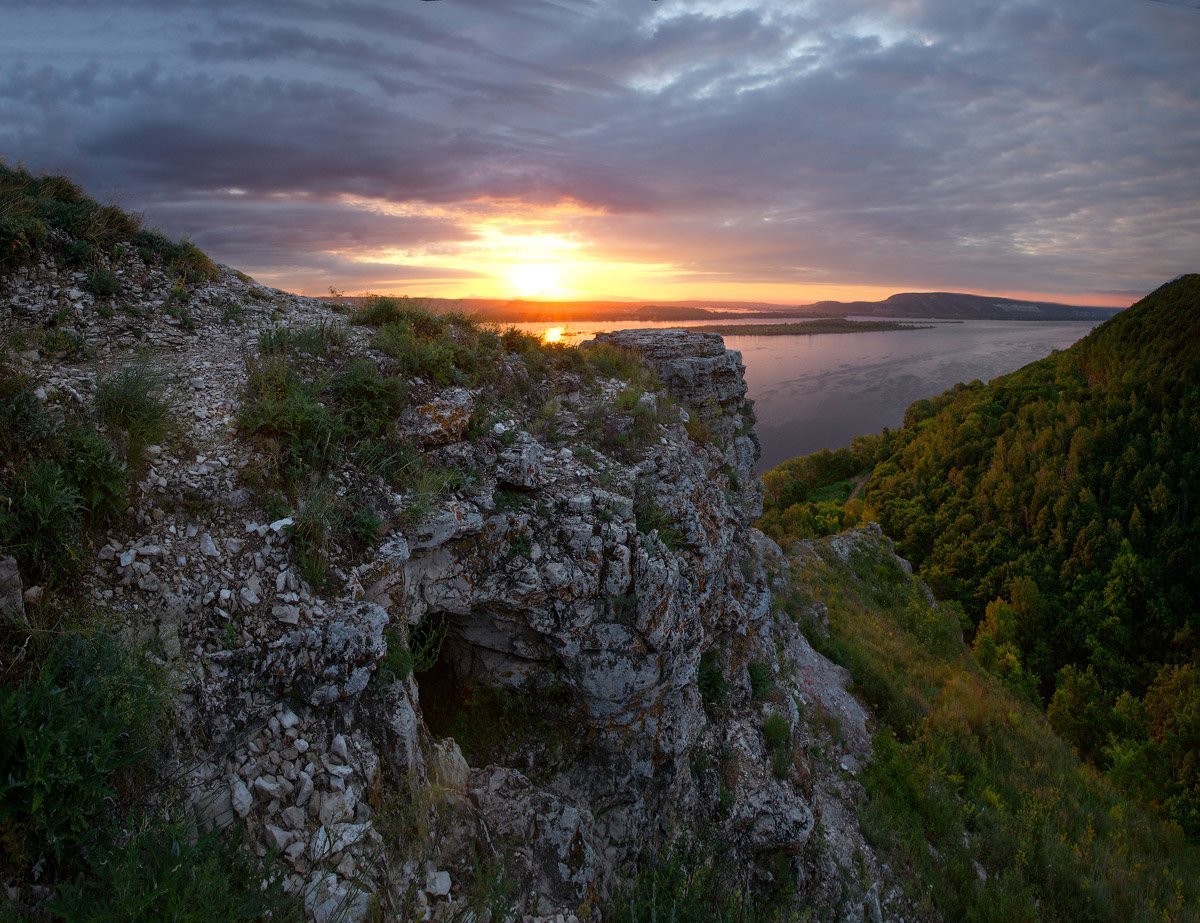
{"x": 1057, "y": 505}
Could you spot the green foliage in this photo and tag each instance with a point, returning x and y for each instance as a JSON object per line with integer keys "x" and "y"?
{"x": 41, "y": 514}
{"x": 693, "y": 883}
{"x": 323, "y": 520}
{"x": 509, "y": 500}
{"x": 426, "y": 640}
{"x": 607, "y": 361}
{"x": 711, "y": 680}
{"x": 307, "y": 417}
{"x": 89, "y": 713}
{"x": 51, "y": 214}
{"x": 777, "y": 736}
{"x": 166, "y": 870}
{"x": 425, "y": 486}
{"x": 761, "y": 681}
{"x": 102, "y": 282}
{"x": 966, "y": 772}
{"x": 181, "y": 259}
{"x": 397, "y": 664}
{"x": 314, "y": 340}
{"x": 368, "y": 402}
{"x": 809, "y": 497}
{"x": 134, "y": 403}
{"x": 54, "y": 482}
{"x": 1069, "y": 483}
{"x": 652, "y": 518}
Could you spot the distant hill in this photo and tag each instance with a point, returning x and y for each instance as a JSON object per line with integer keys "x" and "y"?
{"x": 958, "y": 306}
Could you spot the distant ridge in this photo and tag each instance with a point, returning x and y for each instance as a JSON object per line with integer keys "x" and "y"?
{"x": 940, "y": 305}
{"x": 959, "y": 306}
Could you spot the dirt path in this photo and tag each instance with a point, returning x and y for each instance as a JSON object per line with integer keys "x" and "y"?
{"x": 859, "y": 484}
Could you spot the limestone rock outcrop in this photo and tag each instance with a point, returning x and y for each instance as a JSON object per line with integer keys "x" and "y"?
{"x": 606, "y": 572}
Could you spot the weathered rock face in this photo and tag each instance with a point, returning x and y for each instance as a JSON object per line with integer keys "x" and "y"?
{"x": 709, "y": 380}
{"x": 12, "y": 600}
{"x": 603, "y": 575}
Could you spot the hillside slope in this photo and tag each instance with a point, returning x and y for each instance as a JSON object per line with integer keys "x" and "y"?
{"x": 404, "y": 616}
{"x": 1057, "y": 504}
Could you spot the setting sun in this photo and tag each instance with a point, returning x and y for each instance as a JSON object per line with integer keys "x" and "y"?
{"x": 529, "y": 280}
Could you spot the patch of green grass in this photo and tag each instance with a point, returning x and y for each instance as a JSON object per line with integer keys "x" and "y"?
{"x": 694, "y": 882}
{"x": 323, "y": 520}
{"x": 56, "y": 480}
{"x": 62, "y": 343}
{"x": 314, "y": 340}
{"x": 102, "y": 282}
{"x": 607, "y": 361}
{"x": 711, "y": 680}
{"x": 777, "y": 736}
{"x": 509, "y": 500}
{"x": 286, "y": 415}
{"x": 368, "y": 403}
{"x": 69, "y": 731}
{"x": 134, "y": 404}
{"x": 425, "y": 486}
{"x": 164, "y": 869}
{"x": 652, "y": 518}
{"x": 761, "y": 681}
{"x": 307, "y": 417}
{"x": 40, "y": 517}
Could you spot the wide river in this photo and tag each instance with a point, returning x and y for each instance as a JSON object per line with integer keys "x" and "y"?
{"x": 820, "y": 391}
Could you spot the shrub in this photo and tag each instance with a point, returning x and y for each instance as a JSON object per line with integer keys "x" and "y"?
{"x": 23, "y": 420}
{"x": 711, "y": 680}
{"x": 134, "y": 402}
{"x": 312, "y": 528}
{"x": 102, "y": 282}
{"x": 650, "y": 517}
{"x": 315, "y": 340}
{"x": 286, "y": 414}
{"x": 93, "y": 470}
{"x": 163, "y": 869}
{"x": 89, "y": 714}
{"x": 368, "y": 402}
{"x": 415, "y": 355}
{"x": 690, "y": 882}
{"x": 378, "y": 310}
{"x": 39, "y": 213}
{"x": 40, "y": 519}
{"x": 761, "y": 681}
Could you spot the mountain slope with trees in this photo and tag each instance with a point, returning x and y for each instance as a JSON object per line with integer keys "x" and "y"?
{"x": 1057, "y": 504}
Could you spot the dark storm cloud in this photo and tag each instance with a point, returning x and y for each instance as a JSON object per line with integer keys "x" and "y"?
{"x": 925, "y": 143}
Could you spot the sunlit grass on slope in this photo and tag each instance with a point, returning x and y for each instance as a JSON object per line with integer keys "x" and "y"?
{"x": 981, "y": 808}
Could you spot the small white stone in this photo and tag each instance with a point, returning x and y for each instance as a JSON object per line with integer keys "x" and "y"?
{"x": 438, "y": 883}
{"x": 241, "y": 797}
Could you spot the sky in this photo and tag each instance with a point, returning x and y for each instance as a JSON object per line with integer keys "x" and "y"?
{"x": 758, "y": 150}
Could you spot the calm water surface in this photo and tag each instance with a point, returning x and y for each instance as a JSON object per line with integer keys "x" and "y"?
{"x": 820, "y": 391}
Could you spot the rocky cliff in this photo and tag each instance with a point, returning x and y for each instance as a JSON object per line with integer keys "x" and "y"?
{"x": 586, "y": 610}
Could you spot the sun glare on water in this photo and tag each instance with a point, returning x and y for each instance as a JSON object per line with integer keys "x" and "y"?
{"x": 553, "y": 335}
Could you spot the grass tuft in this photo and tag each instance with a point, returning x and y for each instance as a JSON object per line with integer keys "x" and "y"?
{"x": 134, "y": 404}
